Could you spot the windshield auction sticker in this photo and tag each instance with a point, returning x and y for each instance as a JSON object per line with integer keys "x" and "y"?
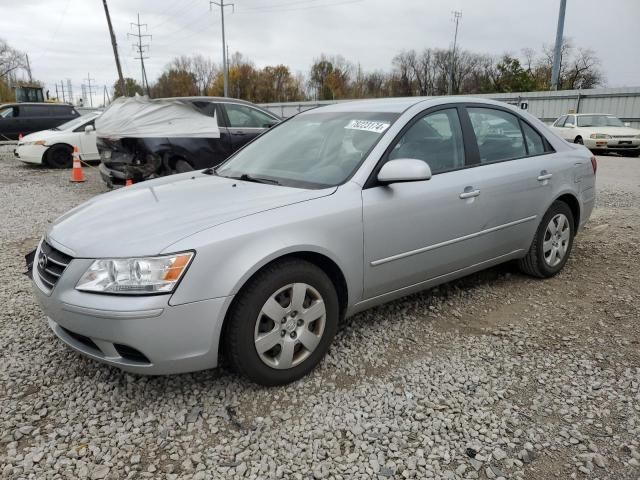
{"x": 367, "y": 126}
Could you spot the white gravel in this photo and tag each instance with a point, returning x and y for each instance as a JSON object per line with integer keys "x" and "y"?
{"x": 494, "y": 376}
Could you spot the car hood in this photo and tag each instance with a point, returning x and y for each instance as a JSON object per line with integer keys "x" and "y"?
{"x": 147, "y": 217}
{"x": 631, "y": 132}
{"x": 43, "y": 135}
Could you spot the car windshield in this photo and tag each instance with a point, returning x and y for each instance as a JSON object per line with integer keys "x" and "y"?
{"x": 312, "y": 150}
{"x": 75, "y": 123}
{"x": 599, "y": 121}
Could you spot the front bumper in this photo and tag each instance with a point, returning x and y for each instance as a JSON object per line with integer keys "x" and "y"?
{"x": 30, "y": 153}
{"x": 138, "y": 334}
{"x": 613, "y": 144}
{"x": 112, "y": 176}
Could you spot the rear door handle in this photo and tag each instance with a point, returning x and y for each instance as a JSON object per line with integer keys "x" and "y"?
{"x": 544, "y": 176}
{"x": 469, "y": 194}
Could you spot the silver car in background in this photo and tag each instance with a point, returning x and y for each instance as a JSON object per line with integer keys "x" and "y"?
{"x": 329, "y": 213}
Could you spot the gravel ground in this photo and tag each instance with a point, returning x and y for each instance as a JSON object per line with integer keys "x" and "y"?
{"x": 494, "y": 376}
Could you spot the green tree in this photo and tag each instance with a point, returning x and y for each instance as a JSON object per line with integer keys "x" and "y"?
{"x": 131, "y": 87}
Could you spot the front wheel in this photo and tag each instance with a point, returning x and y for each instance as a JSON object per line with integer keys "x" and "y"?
{"x": 579, "y": 141}
{"x": 552, "y": 243}
{"x": 282, "y": 323}
{"x": 59, "y": 156}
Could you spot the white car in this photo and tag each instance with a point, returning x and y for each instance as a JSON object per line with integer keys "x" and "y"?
{"x": 599, "y": 132}
{"x": 54, "y": 147}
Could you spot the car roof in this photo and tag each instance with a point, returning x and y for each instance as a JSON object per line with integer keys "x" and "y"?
{"x": 399, "y": 104}
{"x": 46, "y": 104}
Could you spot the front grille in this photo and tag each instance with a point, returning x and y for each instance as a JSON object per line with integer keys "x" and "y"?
{"x": 51, "y": 264}
{"x": 622, "y": 136}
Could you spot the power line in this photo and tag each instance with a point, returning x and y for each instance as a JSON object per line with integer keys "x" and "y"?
{"x": 457, "y": 15}
{"x": 284, "y": 8}
{"x": 141, "y": 49}
{"x": 225, "y": 68}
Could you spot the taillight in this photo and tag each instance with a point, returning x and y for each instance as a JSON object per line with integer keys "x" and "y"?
{"x": 594, "y": 165}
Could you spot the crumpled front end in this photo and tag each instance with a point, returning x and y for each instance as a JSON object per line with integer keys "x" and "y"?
{"x": 133, "y": 159}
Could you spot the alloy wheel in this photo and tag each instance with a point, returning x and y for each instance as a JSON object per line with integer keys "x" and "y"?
{"x": 290, "y": 326}
{"x": 556, "y": 240}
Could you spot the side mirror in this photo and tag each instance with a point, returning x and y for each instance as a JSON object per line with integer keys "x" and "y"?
{"x": 404, "y": 170}
{"x": 569, "y": 125}
{"x": 89, "y": 129}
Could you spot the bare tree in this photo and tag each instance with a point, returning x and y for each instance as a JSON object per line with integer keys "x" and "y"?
{"x": 10, "y": 59}
{"x": 205, "y": 72}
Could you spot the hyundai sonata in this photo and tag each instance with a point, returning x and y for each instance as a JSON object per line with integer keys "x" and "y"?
{"x": 329, "y": 213}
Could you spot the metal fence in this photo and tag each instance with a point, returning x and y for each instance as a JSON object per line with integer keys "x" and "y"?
{"x": 547, "y": 106}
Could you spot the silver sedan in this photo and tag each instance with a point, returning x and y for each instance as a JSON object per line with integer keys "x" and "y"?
{"x": 329, "y": 213}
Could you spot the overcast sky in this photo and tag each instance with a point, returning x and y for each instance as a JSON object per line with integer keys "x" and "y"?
{"x": 70, "y": 39}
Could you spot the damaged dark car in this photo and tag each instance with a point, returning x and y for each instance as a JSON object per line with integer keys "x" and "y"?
{"x": 140, "y": 138}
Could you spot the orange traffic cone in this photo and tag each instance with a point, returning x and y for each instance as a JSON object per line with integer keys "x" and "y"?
{"x": 128, "y": 182}
{"x": 77, "y": 175}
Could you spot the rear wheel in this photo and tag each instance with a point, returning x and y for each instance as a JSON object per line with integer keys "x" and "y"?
{"x": 183, "y": 166}
{"x": 552, "y": 243}
{"x": 282, "y": 323}
{"x": 59, "y": 156}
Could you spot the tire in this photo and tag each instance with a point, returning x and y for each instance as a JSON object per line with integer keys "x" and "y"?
{"x": 579, "y": 141}
{"x": 546, "y": 264}
{"x": 285, "y": 357}
{"x": 183, "y": 166}
{"x": 60, "y": 156}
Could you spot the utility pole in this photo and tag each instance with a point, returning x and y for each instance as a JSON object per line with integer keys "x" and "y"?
{"x": 457, "y": 15}
{"x": 64, "y": 99}
{"x": 140, "y": 48}
{"x": 225, "y": 69}
{"x": 557, "y": 52}
{"x": 114, "y": 45}
{"x": 29, "y": 69}
{"x": 90, "y": 88}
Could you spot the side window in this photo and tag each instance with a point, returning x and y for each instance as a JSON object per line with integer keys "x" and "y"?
{"x": 498, "y": 134}
{"x": 33, "y": 111}
{"x": 571, "y": 120}
{"x": 8, "y": 112}
{"x": 241, "y": 116}
{"x": 206, "y": 108}
{"x": 535, "y": 143}
{"x": 560, "y": 121}
{"x": 436, "y": 138}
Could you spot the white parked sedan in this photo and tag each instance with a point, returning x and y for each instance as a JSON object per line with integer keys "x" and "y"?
{"x": 54, "y": 147}
{"x": 599, "y": 132}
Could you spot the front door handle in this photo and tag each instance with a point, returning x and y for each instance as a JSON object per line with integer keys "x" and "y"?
{"x": 544, "y": 175}
{"x": 469, "y": 193}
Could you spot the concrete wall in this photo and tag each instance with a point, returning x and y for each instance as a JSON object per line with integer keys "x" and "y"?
{"x": 622, "y": 102}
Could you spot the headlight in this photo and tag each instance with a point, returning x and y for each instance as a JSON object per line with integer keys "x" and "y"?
{"x": 135, "y": 276}
{"x": 637, "y": 136}
{"x": 599, "y": 135}
{"x": 37, "y": 142}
